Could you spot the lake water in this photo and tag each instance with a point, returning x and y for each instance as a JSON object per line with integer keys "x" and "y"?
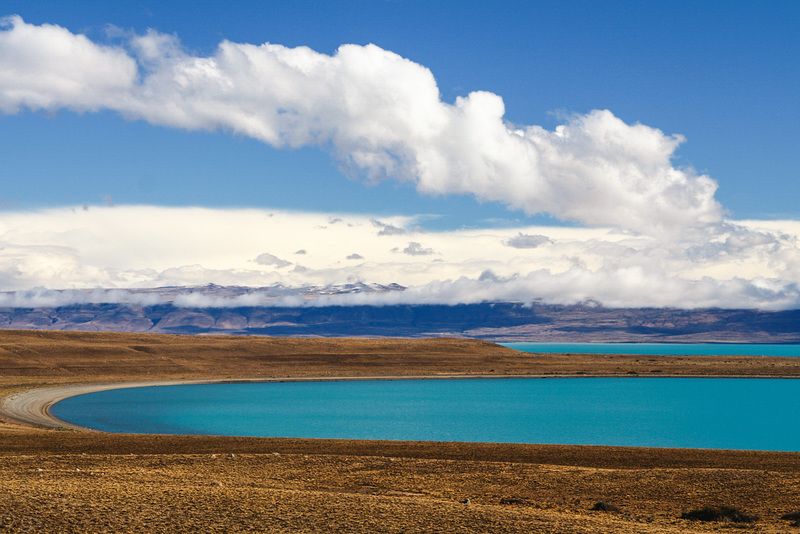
{"x": 759, "y": 414}
{"x": 673, "y": 349}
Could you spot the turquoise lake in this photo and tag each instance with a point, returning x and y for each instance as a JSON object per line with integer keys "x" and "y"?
{"x": 672, "y": 349}
{"x": 757, "y": 414}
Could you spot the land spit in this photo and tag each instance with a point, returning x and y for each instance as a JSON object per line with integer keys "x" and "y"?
{"x": 78, "y": 481}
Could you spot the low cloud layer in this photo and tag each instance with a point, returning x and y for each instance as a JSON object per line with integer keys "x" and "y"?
{"x": 752, "y": 264}
{"x": 379, "y": 114}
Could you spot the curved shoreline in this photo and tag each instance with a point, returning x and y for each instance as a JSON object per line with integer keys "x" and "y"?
{"x": 32, "y": 407}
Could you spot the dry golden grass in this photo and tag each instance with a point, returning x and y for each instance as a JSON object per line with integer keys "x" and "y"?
{"x": 63, "y": 357}
{"x": 67, "y": 481}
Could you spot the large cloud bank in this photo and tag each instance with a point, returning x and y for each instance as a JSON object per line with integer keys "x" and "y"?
{"x": 654, "y": 234}
{"x": 380, "y": 115}
{"x": 751, "y": 264}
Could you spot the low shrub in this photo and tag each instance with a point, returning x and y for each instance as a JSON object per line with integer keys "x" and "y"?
{"x": 724, "y": 514}
{"x": 604, "y": 506}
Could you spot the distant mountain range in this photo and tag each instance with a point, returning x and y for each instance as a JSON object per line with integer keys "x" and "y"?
{"x": 498, "y": 321}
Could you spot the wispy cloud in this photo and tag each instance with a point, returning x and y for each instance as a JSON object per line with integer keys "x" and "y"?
{"x": 378, "y": 113}
{"x": 387, "y": 229}
{"x": 270, "y": 259}
{"x": 527, "y": 241}
{"x": 415, "y": 249}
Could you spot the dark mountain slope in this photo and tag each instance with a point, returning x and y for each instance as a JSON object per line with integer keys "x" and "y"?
{"x": 493, "y": 321}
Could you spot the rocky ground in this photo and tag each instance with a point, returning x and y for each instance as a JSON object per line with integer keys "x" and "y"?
{"x": 69, "y": 481}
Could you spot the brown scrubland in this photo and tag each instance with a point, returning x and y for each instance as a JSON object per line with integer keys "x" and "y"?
{"x": 59, "y": 480}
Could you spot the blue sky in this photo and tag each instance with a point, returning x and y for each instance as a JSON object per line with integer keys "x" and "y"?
{"x": 725, "y": 76}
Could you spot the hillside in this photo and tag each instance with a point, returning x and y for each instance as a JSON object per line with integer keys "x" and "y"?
{"x": 490, "y": 321}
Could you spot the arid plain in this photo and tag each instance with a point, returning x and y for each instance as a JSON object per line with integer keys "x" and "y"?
{"x": 59, "y": 480}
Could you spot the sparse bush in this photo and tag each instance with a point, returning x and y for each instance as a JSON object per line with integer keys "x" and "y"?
{"x": 512, "y": 500}
{"x": 724, "y": 514}
{"x": 604, "y": 506}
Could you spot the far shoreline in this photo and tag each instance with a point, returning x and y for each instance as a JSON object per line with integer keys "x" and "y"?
{"x": 39, "y": 368}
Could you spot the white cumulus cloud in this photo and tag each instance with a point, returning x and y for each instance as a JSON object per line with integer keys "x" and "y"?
{"x": 379, "y": 114}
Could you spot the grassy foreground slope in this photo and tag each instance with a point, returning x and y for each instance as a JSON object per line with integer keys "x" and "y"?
{"x": 67, "y": 481}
